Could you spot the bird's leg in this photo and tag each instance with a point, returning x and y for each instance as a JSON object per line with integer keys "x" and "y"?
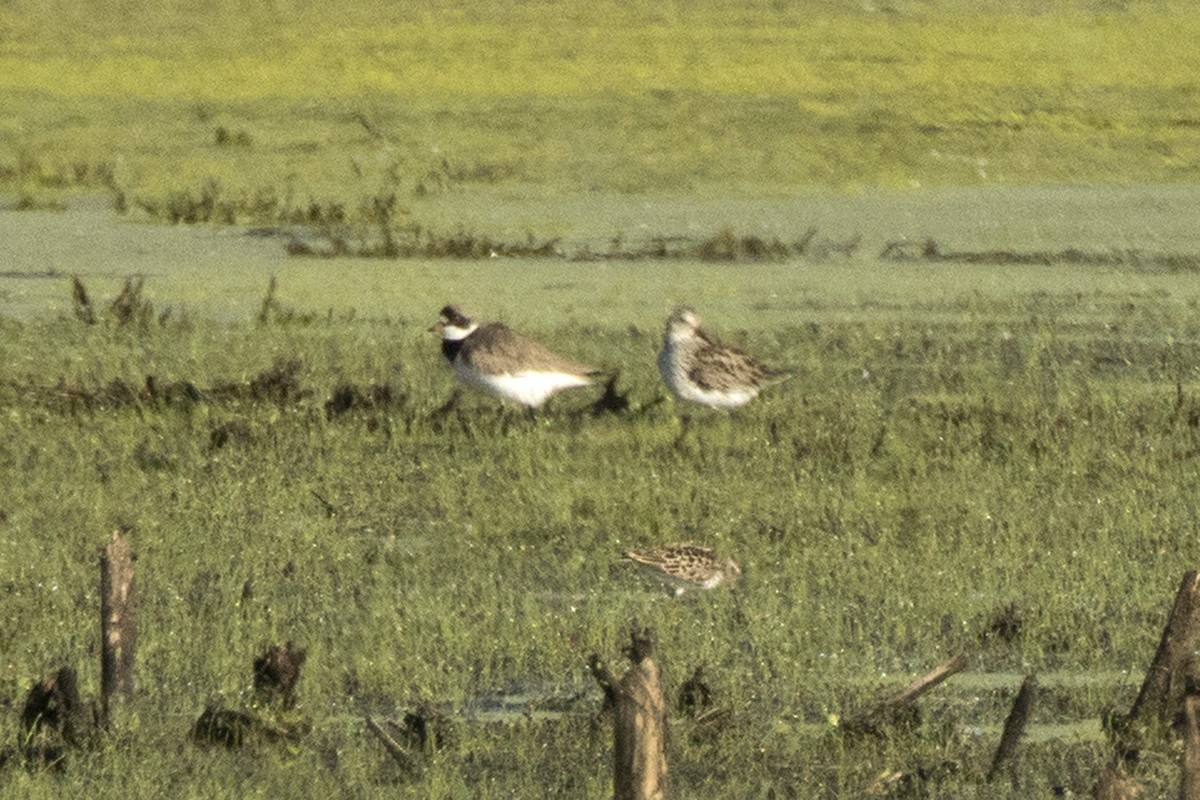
{"x": 685, "y": 425}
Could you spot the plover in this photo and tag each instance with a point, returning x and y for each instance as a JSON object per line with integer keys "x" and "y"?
{"x": 686, "y": 566}
{"x": 492, "y": 357}
{"x": 698, "y": 369}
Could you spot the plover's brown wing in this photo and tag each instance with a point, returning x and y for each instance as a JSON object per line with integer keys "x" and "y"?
{"x": 495, "y": 348}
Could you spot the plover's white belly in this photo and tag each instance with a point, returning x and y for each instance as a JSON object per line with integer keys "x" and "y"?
{"x": 528, "y": 388}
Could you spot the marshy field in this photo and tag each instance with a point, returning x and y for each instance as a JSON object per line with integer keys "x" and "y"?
{"x": 226, "y": 227}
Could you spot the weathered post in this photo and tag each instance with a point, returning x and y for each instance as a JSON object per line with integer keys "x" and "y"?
{"x": 640, "y": 756}
{"x": 1161, "y": 695}
{"x": 118, "y": 624}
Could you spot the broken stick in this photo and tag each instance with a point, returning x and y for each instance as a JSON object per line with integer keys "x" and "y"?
{"x": 868, "y": 719}
{"x": 1014, "y": 726}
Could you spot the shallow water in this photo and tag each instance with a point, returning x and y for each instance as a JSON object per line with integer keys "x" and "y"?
{"x": 222, "y": 273}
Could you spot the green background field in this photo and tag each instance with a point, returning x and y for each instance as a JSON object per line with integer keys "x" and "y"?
{"x": 634, "y": 97}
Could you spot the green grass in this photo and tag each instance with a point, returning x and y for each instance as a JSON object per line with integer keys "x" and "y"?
{"x": 933, "y": 464}
{"x": 966, "y": 447}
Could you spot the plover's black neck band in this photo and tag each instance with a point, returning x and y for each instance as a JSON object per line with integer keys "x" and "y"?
{"x": 450, "y": 348}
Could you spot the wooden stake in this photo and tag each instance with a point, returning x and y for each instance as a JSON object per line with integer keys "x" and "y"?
{"x": 639, "y": 740}
{"x": 118, "y": 626}
{"x": 1161, "y": 695}
{"x": 1014, "y": 726}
